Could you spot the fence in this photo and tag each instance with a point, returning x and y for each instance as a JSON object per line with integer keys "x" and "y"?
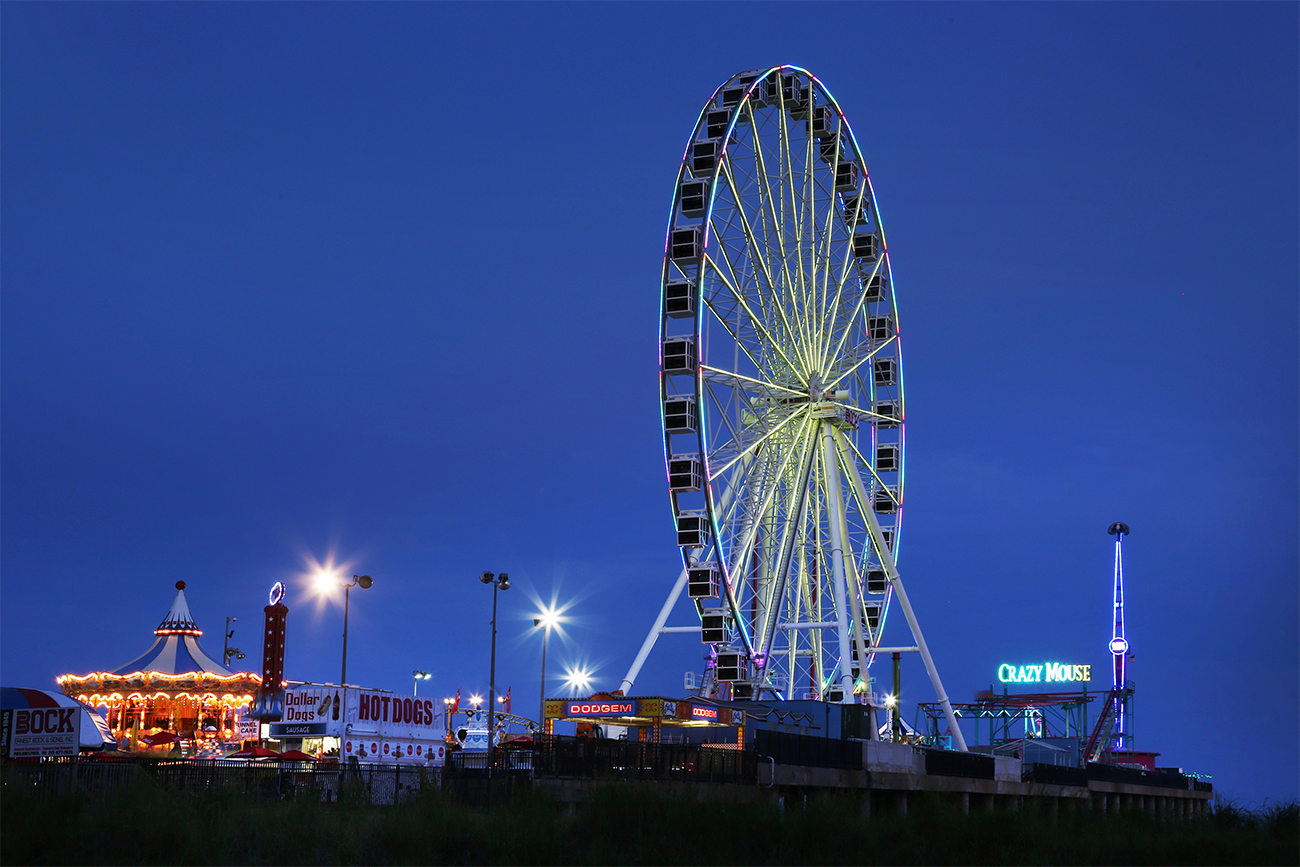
{"x": 376, "y": 784}
{"x": 946, "y": 763}
{"x": 598, "y": 758}
{"x": 47, "y": 778}
{"x": 787, "y": 748}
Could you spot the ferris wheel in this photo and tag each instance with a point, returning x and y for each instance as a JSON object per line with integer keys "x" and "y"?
{"x": 781, "y": 384}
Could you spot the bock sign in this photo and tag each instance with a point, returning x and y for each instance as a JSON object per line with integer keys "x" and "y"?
{"x": 42, "y": 731}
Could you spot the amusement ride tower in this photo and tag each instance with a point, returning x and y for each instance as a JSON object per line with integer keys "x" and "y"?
{"x": 1113, "y": 733}
{"x": 1119, "y": 647}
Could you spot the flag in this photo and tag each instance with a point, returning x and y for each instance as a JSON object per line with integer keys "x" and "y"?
{"x": 455, "y": 706}
{"x": 507, "y": 699}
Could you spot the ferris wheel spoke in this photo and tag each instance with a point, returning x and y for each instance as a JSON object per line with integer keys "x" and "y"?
{"x": 758, "y": 325}
{"x": 764, "y": 266}
{"x": 794, "y": 517}
{"x": 754, "y": 445}
{"x": 740, "y": 344}
{"x": 862, "y": 461}
{"x": 857, "y": 310}
{"x": 734, "y": 284}
{"x": 735, "y": 441}
{"x": 727, "y": 375}
{"x": 799, "y": 285}
{"x": 857, "y": 365}
{"x": 769, "y": 488}
{"x": 773, "y": 225}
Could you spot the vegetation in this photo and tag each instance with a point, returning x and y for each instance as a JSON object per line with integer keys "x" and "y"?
{"x": 622, "y": 825}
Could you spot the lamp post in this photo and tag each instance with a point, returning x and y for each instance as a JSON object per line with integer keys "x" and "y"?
{"x": 419, "y": 676}
{"x": 546, "y": 621}
{"x": 498, "y": 582}
{"x": 228, "y": 651}
{"x": 365, "y": 581}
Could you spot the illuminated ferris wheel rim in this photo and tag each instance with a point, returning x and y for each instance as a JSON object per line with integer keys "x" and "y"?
{"x": 790, "y": 374}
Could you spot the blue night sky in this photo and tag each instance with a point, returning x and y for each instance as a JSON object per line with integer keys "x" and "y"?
{"x": 286, "y": 282}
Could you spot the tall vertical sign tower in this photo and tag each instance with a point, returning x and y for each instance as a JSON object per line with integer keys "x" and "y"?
{"x": 1120, "y": 733}
{"x": 269, "y": 703}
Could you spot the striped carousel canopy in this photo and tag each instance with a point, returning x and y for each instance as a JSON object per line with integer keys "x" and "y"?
{"x": 176, "y": 649}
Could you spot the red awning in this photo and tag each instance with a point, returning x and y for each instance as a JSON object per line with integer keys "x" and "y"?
{"x": 157, "y": 739}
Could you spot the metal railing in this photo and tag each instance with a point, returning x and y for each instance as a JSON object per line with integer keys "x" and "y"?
{"x": 325, "y": 782}
{"x": 598, "y": 758}
{"x": 787, "y": 748}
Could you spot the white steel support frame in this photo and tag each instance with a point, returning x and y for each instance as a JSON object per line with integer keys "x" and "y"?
{"x": 655, "y": 631}
{"x": 891, "y": 571}
{"x": 835, "y": 502}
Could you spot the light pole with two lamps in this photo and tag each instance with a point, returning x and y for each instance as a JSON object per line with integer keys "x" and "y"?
{"x": 419, "y": 676}
{"x": 498, "y": 582}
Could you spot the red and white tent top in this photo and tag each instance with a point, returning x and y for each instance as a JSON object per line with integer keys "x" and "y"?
{"x": 177, "y": 649}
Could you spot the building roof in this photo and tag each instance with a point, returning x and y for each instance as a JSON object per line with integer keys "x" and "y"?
{"x": 176, "y": 650}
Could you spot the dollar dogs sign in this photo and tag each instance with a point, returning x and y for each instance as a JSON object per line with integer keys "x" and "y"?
{"x": 269, "y": 703}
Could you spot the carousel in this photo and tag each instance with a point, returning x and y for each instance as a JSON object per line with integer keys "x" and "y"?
{"x": 171, "y": 693}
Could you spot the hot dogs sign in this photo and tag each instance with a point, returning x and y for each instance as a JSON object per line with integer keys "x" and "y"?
{"x": 373, "y": 725}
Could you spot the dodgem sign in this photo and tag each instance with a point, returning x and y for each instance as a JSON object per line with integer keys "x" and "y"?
{"x": 602, "y": 708}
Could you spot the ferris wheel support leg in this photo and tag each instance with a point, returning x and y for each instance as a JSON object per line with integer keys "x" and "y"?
{"x": 835, "y": 496}
{"x": 891, "y": 571}
{"x": 650, "y": 639}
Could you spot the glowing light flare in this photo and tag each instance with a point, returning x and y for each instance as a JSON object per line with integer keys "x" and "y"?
{"x": 577, "y": 679}
{"x": 326, "y": 580}
{"x": 548, "y": 618}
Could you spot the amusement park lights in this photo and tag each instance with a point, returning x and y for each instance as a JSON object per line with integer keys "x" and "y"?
{"x": 498, "y": 582}
{"x": 546, "y": 618}
{"x": 365, "y": 581}
{"x": 578, "y": 680}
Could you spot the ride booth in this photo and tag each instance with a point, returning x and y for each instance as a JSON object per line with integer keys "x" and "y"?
{"x": 650, "y": 719}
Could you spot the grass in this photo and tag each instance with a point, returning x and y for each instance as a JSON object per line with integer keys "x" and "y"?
{"x": 621, "y": 825}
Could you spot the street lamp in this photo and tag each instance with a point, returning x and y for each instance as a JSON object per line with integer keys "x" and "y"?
{"x": 228, "y": 651}
{"x": 546, "y": 621}
{"x": 498, "y": 582}
{"x": 365, "y": 581}
{"x": 419, "y": 676}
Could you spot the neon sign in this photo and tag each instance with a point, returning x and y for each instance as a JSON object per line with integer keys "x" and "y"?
{"x": 1048, "y": 672}
{"x": 704, "y": 712}
{"x": 615, "y": 708}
